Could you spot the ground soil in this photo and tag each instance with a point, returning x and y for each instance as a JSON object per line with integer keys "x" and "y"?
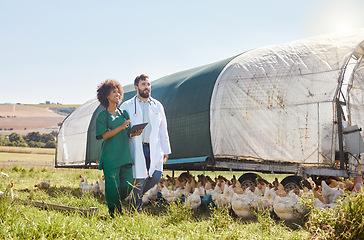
{"x": 23, "y": 119}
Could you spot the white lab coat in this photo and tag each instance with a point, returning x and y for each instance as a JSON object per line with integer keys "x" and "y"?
{"x": 159, "y": 139}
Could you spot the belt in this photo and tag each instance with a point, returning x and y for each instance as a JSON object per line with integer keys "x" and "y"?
{"x": 145, "y": 143}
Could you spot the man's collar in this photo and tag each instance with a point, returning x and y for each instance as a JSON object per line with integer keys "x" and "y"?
{"x": 148, "y": 100}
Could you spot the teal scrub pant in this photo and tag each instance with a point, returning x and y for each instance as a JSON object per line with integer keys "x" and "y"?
{"x": 118, "y": 184}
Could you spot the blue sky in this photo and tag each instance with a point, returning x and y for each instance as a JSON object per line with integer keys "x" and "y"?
{"x": 60, "y": 51}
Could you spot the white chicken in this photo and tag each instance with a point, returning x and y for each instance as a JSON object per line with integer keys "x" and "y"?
{"x": 43, "y": 185}
{"x": 8, "y": 191}
{"x": 224, "y": 200}
{"x": 171, "y": 196}
{"x": 190, "y": 185}
{"x": 319, "y": 204}
{"x": 193, "y": 201}
{"x": 260, "y": 189}
{"x": 288, "y": 208}
{"x": 237, "y": 188}
{"x": 330, "y": 194}
{"x": 4, "y": 174}
{"x": 268, "y": 198}
{"x": 85, "y": 187}
{"x": 102, "y": 185}
{"x": 151, "y": 194}
{"x": 95, "y": 187}
{"x": 245, "y": 204}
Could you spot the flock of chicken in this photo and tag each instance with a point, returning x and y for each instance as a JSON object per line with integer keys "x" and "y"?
{"x": 245, "y": 202}
{"x": 96, "y": 187}
{"x": 222, "y": 192}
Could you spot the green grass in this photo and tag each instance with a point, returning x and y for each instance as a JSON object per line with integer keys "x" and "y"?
{"x": 158, "y": 221}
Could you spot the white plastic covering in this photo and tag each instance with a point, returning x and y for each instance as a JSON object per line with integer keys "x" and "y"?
{"x": 276, "y": 103}
{"x": 356, "y": 89}
{"x": 72, "y": 137}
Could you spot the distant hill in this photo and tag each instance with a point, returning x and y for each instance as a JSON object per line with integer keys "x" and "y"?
{"x": 22, "y": 118}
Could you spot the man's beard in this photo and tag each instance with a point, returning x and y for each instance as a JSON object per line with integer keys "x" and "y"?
{"x": 143, "y": 94}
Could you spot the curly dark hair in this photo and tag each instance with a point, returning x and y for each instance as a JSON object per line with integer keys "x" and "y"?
{"x": 104, "y": 89}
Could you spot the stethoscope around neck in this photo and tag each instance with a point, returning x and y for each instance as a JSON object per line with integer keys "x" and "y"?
{"x": 135, "y": 108}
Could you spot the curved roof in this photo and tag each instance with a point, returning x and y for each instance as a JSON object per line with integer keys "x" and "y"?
{"x": 186, "y": 97}
{"x": 273, "y": 103}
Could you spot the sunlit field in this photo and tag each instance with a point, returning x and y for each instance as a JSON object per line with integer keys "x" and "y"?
{"x": 20, "y": 219}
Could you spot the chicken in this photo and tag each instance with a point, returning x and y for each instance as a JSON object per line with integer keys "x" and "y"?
{"x": 171, "y": 196}
{"x": 85, "y": 187}
{"x": 245, "y": 205}
{"x": 8, "y": 192}
{"x": 280, "y": 191}
{"x": 224, "y": 200}
{"x": 215, "y": 193}
{"x": 190, "y": 185}
{"x": 268, "y": 198}
{"x": 358, "y": 185}
{"x": 193, "y": 201}
{"x": 288, "y": 208}
{"x": 151, "y": 194}
{"x": 330, "y": 194}
{"x": 208, "y": 186}
{"x": 317, "y": 193}
{"x": 95, "y": 187}
{"x": 4, "y": 174}
{"x": 260, "y": 189}
{"x": 319, "y": 204}
{"x": 311, "y": 182}
{"x": 43, "y": 185}
{"x": 336, "y": 184}
{"x": 349, "y": 185}
{"x": 237, "y": 188}
{"x": 102, "y": 185}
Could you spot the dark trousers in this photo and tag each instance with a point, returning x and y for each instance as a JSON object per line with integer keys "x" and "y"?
{"x": 118, "y": 185}
{"x": 142, "y": 185}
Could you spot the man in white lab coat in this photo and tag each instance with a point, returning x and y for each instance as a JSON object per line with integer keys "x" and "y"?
{"x": 150, "y": 149}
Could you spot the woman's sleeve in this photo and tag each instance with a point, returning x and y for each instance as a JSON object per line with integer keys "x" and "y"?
{"x": 126, "y": 114}
{"x": 100, "y": 125}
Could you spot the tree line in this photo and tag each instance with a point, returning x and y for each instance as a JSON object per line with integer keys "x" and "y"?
{"x": 32, "y": 139}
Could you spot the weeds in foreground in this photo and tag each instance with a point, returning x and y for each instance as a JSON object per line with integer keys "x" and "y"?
{"x": 346, "y": 221}
{"x": 159, "y": 219}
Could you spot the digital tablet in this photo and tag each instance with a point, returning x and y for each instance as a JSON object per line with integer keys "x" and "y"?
{"x": 136, "y": 127}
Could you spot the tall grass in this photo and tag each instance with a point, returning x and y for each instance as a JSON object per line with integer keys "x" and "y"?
{"x": 159, "y": 219}
{"x": 346, "y": 221}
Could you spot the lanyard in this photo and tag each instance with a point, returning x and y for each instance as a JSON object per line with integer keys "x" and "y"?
{"x": 107, "y": 118}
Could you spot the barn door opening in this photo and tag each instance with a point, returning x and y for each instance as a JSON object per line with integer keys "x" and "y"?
{"x": 343, "y": 117}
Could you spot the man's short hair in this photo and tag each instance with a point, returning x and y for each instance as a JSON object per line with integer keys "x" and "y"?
{"x": 138, "y": 78}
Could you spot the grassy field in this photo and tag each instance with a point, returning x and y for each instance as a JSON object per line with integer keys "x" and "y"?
{"x": 159, "y": 220}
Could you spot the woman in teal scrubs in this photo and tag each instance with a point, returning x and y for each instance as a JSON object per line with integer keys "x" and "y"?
{"x": 112, "y": 126}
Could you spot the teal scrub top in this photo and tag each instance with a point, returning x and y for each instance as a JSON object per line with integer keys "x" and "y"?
{"x": 115, "y": 151}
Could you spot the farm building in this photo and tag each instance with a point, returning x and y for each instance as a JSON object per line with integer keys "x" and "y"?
{"x": 284, "y": 103}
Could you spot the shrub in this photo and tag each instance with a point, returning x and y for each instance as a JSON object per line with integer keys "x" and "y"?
{"x": 50, "y": 144}
{"x": 33, "y": 136}
{"x": 16, "y": 168}
{"x": 343, "y": 222}
{"x": 46, "y": 137}
{"x": 15, "y": 137}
